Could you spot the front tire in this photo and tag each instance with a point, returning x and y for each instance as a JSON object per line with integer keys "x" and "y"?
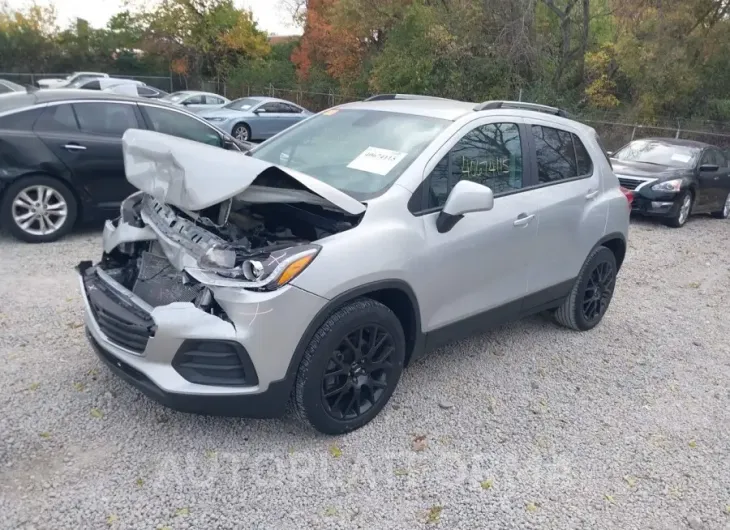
{"x": 591, "y": 295}
{"x": 725, "y": 212}
{"x": 242, "y": 132}
{"x": 38, "y": 209}
{"x": 686, "y": 201}
{"x": 350, "y": 368}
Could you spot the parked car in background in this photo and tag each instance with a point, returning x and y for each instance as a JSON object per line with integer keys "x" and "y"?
{"x": 61, "y": 155}
{"x": 76, "y": 76}
{"x": 8, "y": 86}
{"x": 312, "y": 271}
{"x": 142, "y": 91}
{"x": 673, "y": 179}
{"x": 100, "y": 83}
{"x": 256, "y": 118}
{"x": 196, "y": 101}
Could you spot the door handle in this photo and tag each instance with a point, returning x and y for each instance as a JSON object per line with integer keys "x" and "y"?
{"x": 523, "y": 219}
{"x": 592, "y": 195}
{"x": 74, "y": 147}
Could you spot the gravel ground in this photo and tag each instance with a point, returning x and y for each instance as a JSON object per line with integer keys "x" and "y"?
{"x": 529, "y": 426}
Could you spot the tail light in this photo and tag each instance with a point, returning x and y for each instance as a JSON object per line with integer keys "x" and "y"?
{"x": 628, "y": 194}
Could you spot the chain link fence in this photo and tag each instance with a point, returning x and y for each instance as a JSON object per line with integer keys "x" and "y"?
{"x": 613, "y": 130}
{"x": 162, "y": 82}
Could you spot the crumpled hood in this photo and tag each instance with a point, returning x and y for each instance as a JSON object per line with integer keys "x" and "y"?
{"x": 195, "y": 176}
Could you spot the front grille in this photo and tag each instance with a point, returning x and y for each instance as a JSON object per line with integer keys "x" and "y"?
{"x": 214, "y": 362}
{"x": 122, "y": 324}
{"x": 630, "y": 184}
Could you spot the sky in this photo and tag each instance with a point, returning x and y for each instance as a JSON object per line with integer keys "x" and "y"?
{"x": 269, "y": 14}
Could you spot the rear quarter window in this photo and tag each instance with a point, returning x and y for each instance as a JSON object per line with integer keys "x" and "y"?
{"x": 20, "y": 120}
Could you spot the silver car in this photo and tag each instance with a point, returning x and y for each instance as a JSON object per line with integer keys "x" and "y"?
{"x": 325, "y": 260}
{"x": 256, "y": 118}
{"x": 196, "y": 101}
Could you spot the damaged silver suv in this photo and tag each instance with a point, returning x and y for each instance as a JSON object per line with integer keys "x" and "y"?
{"x": 314, "y": 268}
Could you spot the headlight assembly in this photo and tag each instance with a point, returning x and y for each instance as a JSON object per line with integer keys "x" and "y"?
{"x": 668, "y": 185}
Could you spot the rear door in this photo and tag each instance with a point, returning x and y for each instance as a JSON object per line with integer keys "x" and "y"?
{"x": 572, "y": 215}
{"x": 269, "y": 120}
{"x": 87, "y": 137}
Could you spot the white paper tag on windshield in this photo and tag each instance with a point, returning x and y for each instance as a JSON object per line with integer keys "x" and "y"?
{"x": 679, "y": 157}
{"x": 377, "y": 160}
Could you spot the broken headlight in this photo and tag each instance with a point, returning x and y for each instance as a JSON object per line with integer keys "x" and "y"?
{"x": 270, "y": 271}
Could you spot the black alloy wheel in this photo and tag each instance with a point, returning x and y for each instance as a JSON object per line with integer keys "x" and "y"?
{"x": 357, "y": 373}
{"x": 588, "y": 301}
{"x": 350, "y": 368}
{"x": 598, "y": 291}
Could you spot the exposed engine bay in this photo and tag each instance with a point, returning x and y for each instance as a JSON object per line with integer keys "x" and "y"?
{"x": 249, "y": 245}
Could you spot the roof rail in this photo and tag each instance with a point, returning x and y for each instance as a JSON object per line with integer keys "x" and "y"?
{"x": 491, "y": 105}
{"x": 383, "y": 97}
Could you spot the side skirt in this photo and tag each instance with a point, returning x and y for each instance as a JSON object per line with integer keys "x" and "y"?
{"x": 532, "y": 304}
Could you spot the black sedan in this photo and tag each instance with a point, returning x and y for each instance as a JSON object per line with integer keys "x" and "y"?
{"x": 61, "y": 155}
{"x": 673, "y": 179}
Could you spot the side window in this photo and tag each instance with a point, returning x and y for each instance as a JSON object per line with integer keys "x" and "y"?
{"x": 4, "y": 89}
{"x": 556, "y": 158}
{"x": 144, "y": 91}
{"x": 292, "y": 109}
{"x": 708, "y": 158}
{"x": 585, "y": 164}
{"x": 92, "y": 85}
{"x": 195, "y": 100}
{"x": 269, "y": 107}
{"x": 57, "y": 118}
{"x": 490, "y": 155}
{"x": 212, "y": 100}
{"x": 109, "y": 119}
{"x": 721, "y": 160}
{"x": 177, "y": 124}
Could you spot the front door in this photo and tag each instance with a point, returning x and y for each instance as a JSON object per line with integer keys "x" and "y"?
{"x": 713, "y": 185}
{"x": 87, "y": 138}
{"x": 476, "y": 273}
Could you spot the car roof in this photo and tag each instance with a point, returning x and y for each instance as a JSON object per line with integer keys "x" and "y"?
{"x": 449, "y": 109}
{"x": 17, "y": 100}
{"x": 679, "y": 142}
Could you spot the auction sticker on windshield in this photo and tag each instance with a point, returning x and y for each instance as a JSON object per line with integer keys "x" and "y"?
{"x": 377, "y": 160}
{"x": 679, "y": 157}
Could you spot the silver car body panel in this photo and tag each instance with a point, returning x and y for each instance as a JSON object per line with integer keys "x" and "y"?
{"x": 486, "y": 261}
{"x": 178, "y": 171}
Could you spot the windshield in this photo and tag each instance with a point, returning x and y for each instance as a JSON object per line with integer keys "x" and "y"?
{"x": 243, "y": 104}
{"x": 658, "y": 153}
{"x": 175, "y": 97}
{"x": 359, "y": 152}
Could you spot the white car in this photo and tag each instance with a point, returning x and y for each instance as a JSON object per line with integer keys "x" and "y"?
{"x": 196, "y": 101}
{"x": 76, "y": 76}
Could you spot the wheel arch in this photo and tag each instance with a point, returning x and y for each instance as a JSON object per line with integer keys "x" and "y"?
{"x": 396, "y": 295}
{"x": 46, "y": 174}
{"x": 616, "y": 243}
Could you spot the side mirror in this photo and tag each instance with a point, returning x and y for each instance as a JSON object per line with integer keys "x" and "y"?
{"x": 466, "y": 197}
{"x": 709, "y": 168}
{"x": 609, "y": 153}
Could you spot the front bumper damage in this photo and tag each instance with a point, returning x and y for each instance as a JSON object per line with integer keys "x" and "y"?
{"x": 189, "y": 359}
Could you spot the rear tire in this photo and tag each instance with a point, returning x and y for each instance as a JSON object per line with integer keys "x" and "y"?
{"x": 725, "y": 212}
{"x": 685, "y": 210}
{"x": 350, "y": 368}
{"x": 38, "y": 209}
{"x": 591, "y": 295}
